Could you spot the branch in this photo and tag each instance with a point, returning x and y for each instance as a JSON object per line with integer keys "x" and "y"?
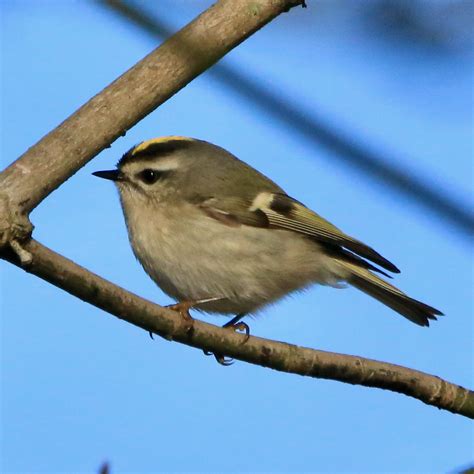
{"x": 280, "y": 356}
{"x": 134, "y": 95}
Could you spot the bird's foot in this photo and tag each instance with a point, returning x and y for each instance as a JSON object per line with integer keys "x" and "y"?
{"x": 234, "y": 325}
{"x": 183, "y": 308}
{"x": 241, "y": 328}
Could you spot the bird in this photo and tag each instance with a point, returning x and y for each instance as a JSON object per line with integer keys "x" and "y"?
{"x": 217, "y": 235}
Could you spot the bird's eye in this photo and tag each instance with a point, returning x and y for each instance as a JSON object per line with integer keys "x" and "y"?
{"x": 150, "y": 176}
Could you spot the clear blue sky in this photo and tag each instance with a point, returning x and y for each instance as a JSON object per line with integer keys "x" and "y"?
{"x": 80, "y": 387}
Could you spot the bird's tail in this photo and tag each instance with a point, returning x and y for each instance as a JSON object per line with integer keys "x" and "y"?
{"x": 366, "y": 281}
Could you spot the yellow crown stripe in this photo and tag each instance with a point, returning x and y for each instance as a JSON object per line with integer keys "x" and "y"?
{"x": 156, "y": 141}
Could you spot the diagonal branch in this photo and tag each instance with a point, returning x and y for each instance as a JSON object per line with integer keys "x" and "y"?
{"x": 281, "y": 356}
{"x": 134, "y": 95}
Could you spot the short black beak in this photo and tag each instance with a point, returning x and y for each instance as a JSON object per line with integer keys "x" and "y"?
{"x": 113, "y": 175}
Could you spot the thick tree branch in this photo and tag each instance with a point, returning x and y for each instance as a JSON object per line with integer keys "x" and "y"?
{"x": 281, "y": 356}
{"x": 132, "y": 96}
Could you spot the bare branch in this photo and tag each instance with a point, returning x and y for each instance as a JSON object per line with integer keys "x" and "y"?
{"x": 132, "y": 96}
{"x": 280, "y": 356}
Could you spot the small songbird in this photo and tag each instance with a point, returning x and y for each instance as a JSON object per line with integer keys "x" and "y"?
{"x": 214, "y": 232}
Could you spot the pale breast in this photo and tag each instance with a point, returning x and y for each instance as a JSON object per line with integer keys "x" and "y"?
{"x": 196, "y": 257}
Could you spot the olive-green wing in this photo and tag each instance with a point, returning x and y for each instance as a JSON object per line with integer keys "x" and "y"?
{"x": 287, "y": 213}
{"x": 233, "y": 211}
{"x": 279, "y": 211}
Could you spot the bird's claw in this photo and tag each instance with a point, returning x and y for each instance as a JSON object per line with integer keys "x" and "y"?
{"x": 220, "y": 359}
{"x": 183, "y": 308}
{"x": 223, "y": 360}
{"x": 241, "y": 328}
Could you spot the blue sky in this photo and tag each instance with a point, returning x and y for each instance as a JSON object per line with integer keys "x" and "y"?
{"x": 80, "y": 387}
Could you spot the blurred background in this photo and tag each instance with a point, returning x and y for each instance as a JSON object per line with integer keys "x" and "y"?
{"x": 363, "y": 111}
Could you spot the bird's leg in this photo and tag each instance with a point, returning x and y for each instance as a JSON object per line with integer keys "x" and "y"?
{"x": 236, "y": 325}
{"x": 183, "y": 308}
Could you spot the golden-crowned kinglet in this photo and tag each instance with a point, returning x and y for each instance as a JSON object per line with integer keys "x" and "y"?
{"x": 207, "y": 226}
